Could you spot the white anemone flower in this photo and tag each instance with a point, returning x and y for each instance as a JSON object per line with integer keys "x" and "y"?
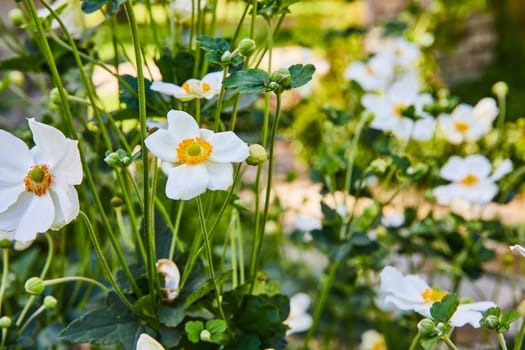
{"x": 388, "y": 111}
{"x": 404, "y": 53}
{"x": 208, "y": 87}
{"x": 375, "y": 74}
{"x": 37, "y": 190}
{"x": 195, "y": 159}
{"x": 467, "y": 123}
{"x": 183, "y": 10}
{"x": 518, "y": 248}
{"x": 146, "y": 342}
{"x": 372, "y": 340}
{"x": 299, "y": 320}
{"x": 411, "y": 292}
{"x": 171, "y": 274}
{"x": 471, "y": 179}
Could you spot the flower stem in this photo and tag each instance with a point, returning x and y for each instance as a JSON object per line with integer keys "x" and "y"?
{"x": 502, "y": 341}
{"x": 521, "y": 335}
{"x": 41, "y": 309}
{"x": 5, "y": 271}
{"x": 219, "y": 101}
{"x": 76, "y": 278}
{"x": 449, "y": 343}
{"x": 415, "y": 341}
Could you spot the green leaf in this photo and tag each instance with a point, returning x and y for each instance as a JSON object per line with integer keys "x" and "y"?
{"x": 249, "y": 81}
{"x": 109, "y": 325}
{"x": 193, "y": 330}
{"x": 32, "y": 63}
{"x": 507, "y": 318}
{"x": 217, "y": 329}
{"x": 301, "y": 74}
{"x": 443, "y": 310}
{"x": 206, "y": 288}
{"x": 171, "y": 316}
{"x": 430, "y": 342}
{"x": 258, "y": 316}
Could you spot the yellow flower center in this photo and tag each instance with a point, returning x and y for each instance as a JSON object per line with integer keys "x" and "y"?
{"x": 38, "y": 179}
{"x": 379, "y": 344}
{"x": 205, "y": 87}
{"x": 469, "y": 180}
{"x": 369, "y": 70}
{"x": 186, "y": 87}
{"x": 431, "y": 295}
{"x": 399, "y": 108}
{"x": 193, "y": 151}
{"x": 462, "y": 127}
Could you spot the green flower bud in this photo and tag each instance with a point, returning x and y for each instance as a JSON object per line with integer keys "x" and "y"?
{"x": 16, "y": 77}
{"x": 426, "y": 327}
{"x": 34, "y": 286}
{"x": 273, "y": 86}
{"x": 500, "y": 89}
{"x": 5, "y": 322}
{"x": 126, "y": 160}
{"x": 16, "y": 16}
{"x": 417, "y": 170}
{"x": 5, "y": 243}
{"x": 112, "y": 159}
{"x": 378, "y": 166}
{"x": 50, "y": 302}
{"x": 257, "y": 155}
{"x": 247, "y": 47}
{"x": 54, "y": 96}
{"x": 205, "y": 335}
{"x": 116, "y": 202}
{"x": 282, "y": 76}
{"x": 226, "y": 57}
{"x": 491, "y": 322}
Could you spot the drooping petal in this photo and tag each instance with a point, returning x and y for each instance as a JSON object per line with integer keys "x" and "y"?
{"x": 162, "y": 145}
{"x": 228, "y": 147}
{"x": 15, "y": 158}
{"x": 485, "y": 111}
{"x": 65, "y": 200}
{"x": 446, "y": 193}
{"x": 68, "y": 169}
{"x": 10, "y": 218}
{"x": 220, "y": 175}
{"x": 37, "y": 218}
{"x": 146, "y": 342}
{"x": 181, "y": 126}
{"x": 187, "y": 181}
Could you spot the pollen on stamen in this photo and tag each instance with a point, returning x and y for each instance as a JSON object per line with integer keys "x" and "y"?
{"x": 469, "y": 180}
{"x": 193, "y": 151}
{"x": 38, "y": 179}
{"x": 186, "y": 87}
{"x": 433, "y": 295}
{"x": 461, "y": 127}
{"x": 206, "y": 87}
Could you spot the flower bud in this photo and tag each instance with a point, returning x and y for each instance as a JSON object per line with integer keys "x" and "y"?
{"x": 112, "y": 159}
{"x": 16, "y": 77}
{"x": 273, "y": 86}
{"x": 116, "y": 202}
{"x": 378, "y": 166}
{"x": 34, "y": 286}
{"x": 491, "y": 322}
{"x": 5, "y": 322}
{"x": 126, "y": 160}
{"x": 16, "y": 16}
{"x": 417, "y": 170}
{"x": 226, "y": 57}
{"x": 257, "y": 155}
{"x": 50, "y": 302}
{"x": 5, "y": 243}
{"x": 282, "y": 77}
{"x": 426, "y": 327}
{"x": 500, "y": 89}
{"x": 54, "y": 96}
{"x": 205, "y": 335}
{"x": 247, "y": 47}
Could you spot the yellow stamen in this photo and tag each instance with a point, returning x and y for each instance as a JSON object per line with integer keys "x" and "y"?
{"x": 187, "y": 88}
{"x": 369, "y": 69}
{"x": 379, "y": 345}
{"x": 205, "y": 87}
{"x": 431, "y": 295}
{"x": 462, "y": 127}
{"x": 399, "y": 108}
{"x": 469, "y": 180}
{"x": 38, "y": 179}
{"x": 193, "y": 151}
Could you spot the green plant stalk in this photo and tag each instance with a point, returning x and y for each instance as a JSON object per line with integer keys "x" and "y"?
{"x": 415, "y": 341}
{"x": 153, "y": 280}
{"x": 449, "y": 343}
{"x": 219, "y": 101}
{"x": 75, "y": 279}
{"x": 502, "y": 343}
{"x": 38, "y": 311}
{"x": 239, "y": 25}
{"x": 521, "y": 335}
{"x": 175, "y": 230}
{"x": 327, "y": 285}
{"x": 5, "y": 272}
{"x": 122, "y": 228}
{"x": 209, "y": 253}
{"x": 254, "y": 18}
{"x": 240, "y": 244}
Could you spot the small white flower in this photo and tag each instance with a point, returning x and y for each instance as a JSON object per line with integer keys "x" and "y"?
{"x": 146, "y": 342}
{"x": 37, "y": 190}
{"x": 307, "y": 223}
{"x": 404, "y": 53}
{"x": 392, "y": 219}
{"x": 171, "y": 274}
{"x": 467, "y": 123}
{"x": 372, "y": 340}
{"x": 72, "y": 16}
{"x": 376, "y": 74}
{"x": 471, "y": 179}
{"x": 182, "y": 10}
{"x": 299, "y": 320}
{"x": 518, "y": 248}
{"x": 411, "y": 292}
{"x": 208, "y": 87}
{"x": 195, "y": 159}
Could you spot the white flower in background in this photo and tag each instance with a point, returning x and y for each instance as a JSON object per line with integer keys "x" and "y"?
{"x": 467, "y": 123}
{"x": 71, "y": 15}
{"x": 372, "y": 340}
{"x": 307, "y": 223}
{"x": 392, "y": 218}
{"x": 182, "y": 10}
{"x": 171, "y": 274}
{"x": 208, "y": 87}
{"x": 404, "y": 53}
{"x": 411, "y": 292}
{"x": 299, "y": 320}
{"x": 375, "y": 74}
{"x": 389, "y": 107}
{"x": 195, "y": 159}
{"x": 471, "y": 179}
{"x": 146, "y": 342}
{"x": 518, "y": 248}
{"x": 37, "y": 190}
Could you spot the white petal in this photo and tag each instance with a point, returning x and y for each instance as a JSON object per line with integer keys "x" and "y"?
{"x": 424, "y": 129}
{"x": 478, "y": 165}
{"x": 518, "y": 248}
{"x": 228, "y": 147}
{"x": 187, "y": 181}
{"x": 37, "y": 218}
{"x": 65, "y": 200}
{"x": 15, "y": 158}
{"x": 162, "y": 145}
{"x": 220, "y": 175}
{"x": 167, "y": 88}
{"x": 299, "y": 303}
{"x": 68, "y": 169}
{"x": 299, "y": 324}
{"x": 445, "y": 194}
{"x": 403, "y": 128}
{"x": 9, "y": 194}
{"x": 145, "y": 342}
{"x": 455, "y": 169}
{"x": 171, "y": 273}
{"x": 50, "y": 143}
{"x": 181, "y": 126}
{"x": 504, "y": 167}
{"x": 470, "y": 313}
{"x": 485, "y": 111}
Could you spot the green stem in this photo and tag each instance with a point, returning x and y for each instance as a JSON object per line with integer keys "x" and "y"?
{"x": 219, "y": 101}
{"x": 502, "y": 341}
{"x": 175, "y": 230}
{"x": 41, "y": 309}
{"x": 74, "y": 279}
{"x": 521, "y": 335}
{"x": 415, "y": 341}
{"x": 254, "y": 17}
{"x": 5, "y": 272}
{"x": 449, "y": 343}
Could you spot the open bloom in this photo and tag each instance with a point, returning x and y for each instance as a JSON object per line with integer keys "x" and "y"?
{"x": 37, "y": 190}
{"x": 146, "y": 342}
{"x": 299, "y": 320}
{"x": 376, "y": 74}
{"x": 195, "y": 159}
{"x": 404, "y": 53}
{"x": 208, "y": 87}
{"x": 471, "y": 179}
{"x": 467, "y": 123}
{"x": 411, "y": 292}
{"x": 372, "y": 340}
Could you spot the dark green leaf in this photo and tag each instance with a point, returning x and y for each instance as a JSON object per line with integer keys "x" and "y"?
{"x": 171, "y": 316}
{"x": 258, "y": 316}
{"x": 249, "y": 81}
{"x": 430, "y": 342}
{"x": 301, "y": 74}
{"x": 206, "y": 288}
{"x": 443, "y": 310}
{"x": 89, "y": 6}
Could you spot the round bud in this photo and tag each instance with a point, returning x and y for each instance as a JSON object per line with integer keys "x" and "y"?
{"x": 205, "y": 335}
{"x": 500, "y": 89}
{"x": 257, "y": 155}
{"x": 378, "y": 166}
{"x": 426, "y": 327}
{"x": 247, "y": 47}
{"x": 417, "y": 170}
{"x": 5, "y": 322}
{"x": 282, "y": 77}
{"x": 54, "y": 96}
{"x": 16, "y": 16}
{"x": 34, "y": 286}
{"x": 491, "y": 322}
{"x": 112, "y": 159}
{"x": 116, "y": 202}
{"x": 125, "y": 160}
{"x": 273, "y": 86}
{"x": 6, "y": 243}
{"x": 16, "y": 77}
{"x": 50, "y": 302}
{"x": 226, "y": 57}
